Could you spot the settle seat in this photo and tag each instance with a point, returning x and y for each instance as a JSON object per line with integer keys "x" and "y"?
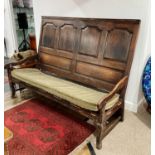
{"x": 79, "y": 95}
{"x": 83, "y": 64}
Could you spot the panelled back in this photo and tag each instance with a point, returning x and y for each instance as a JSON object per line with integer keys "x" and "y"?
{"x": 95, "y": 52}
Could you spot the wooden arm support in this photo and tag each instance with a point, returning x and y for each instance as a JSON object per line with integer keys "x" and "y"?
{"x": 119, "y": 86}
{"x": 15, "y": 63}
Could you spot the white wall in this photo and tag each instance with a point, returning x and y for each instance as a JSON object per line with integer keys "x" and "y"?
{"x": 131, "y": 9}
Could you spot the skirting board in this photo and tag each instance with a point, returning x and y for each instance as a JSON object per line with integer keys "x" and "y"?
{"x": 133, "y": 106}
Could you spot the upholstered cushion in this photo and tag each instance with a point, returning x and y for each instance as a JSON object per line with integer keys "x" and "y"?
{"x": 77, "y": 94}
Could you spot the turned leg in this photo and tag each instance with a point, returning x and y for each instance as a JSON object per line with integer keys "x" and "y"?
{"x": 13, "y": 90}
{"x": 101, "y": 125}
{"x": 11, "y": 83}
{"x": 99, "y": 137}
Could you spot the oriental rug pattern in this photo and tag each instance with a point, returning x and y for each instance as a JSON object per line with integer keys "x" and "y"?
{"x": 40, "y": 129}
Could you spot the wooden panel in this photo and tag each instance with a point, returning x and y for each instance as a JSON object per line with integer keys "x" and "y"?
{"x": 48, "y": 35}
{"x": 90, "y": 38}
{"x": 106, "y": 63}
{"x": 67, "y": 37}
{"x": 95, "y": 52}
{"x": 56, "y": 61}
{"x": 97, "y": 72}
{"x": 118, "y": 43}
{"x": 56, "y": 52}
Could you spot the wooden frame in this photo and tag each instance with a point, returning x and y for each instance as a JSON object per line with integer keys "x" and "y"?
{"x": 79, "y": 43}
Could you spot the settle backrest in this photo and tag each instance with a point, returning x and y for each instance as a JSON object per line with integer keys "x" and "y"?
{"x": 94, "y": 52}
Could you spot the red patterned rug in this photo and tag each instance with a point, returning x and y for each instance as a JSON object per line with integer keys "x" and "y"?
{"x": 40, "y": 129}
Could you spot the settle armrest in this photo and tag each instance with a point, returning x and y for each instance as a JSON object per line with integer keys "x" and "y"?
{"x": 15, "y": 63}
{"x": 119, "y": 86}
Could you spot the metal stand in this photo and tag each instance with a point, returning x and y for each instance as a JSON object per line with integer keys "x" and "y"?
{"x": 24, "y": 43}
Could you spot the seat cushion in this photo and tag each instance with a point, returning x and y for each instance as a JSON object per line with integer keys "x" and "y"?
{"x": 77, "y": 94}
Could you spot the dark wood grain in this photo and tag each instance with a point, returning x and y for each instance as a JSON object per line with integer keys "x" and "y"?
{"x": 97, "y": 72}
{"x": 56, "y": 61}
{"x": 118, "y": 43}
{"x": 49, "y": 31}
{"x": 67, "y": 38}
{"x": 89, "y": 41}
